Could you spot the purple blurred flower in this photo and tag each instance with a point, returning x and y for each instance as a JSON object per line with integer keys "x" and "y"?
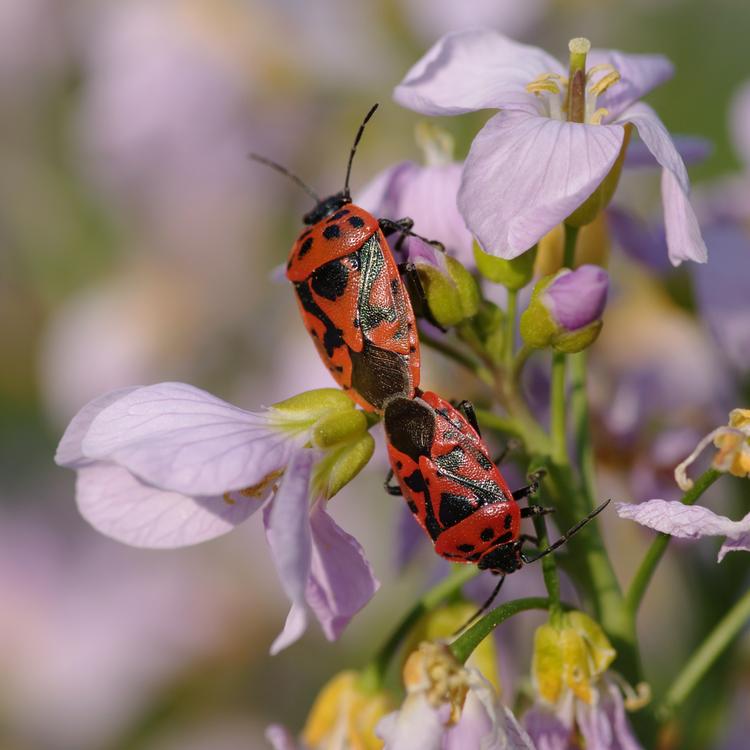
{"x": 528, "y": 169}
{"x": 689, "y": 522}
{"x": 171, "y": 465}
{"x": 577, "y": 298}
{"x": 739, "y": 123}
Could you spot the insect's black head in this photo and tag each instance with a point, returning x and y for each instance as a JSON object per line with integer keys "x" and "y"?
{"x": 326, "y": 207}
{"x": 410, "y": 426}
{"x": 505, "y": 558}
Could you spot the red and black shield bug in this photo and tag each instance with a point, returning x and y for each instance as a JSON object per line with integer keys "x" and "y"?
{"x": 351, "y": 296}
{"x": 455, "y": 490}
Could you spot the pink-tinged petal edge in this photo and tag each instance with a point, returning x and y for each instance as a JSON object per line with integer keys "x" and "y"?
{"x": 118, "y": 505}
{"x": 287, "y": 522}
{"x": 684, "y": 240}
{"x": 470, "y": 70}
{"x": 181, "y": 438}
{"x": 639, "y": 74}
{"x": 69, "y": 450}
{"x": 525, "y": 174}
{"x": 688, "y": 522}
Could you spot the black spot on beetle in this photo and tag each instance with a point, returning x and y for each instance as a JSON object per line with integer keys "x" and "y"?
{"x": 466, "y": 547}
{"x": 503, "y": 538}
{"x": 483, "y": 461}
{"x": 474, "y": 557}
{"x": 399, "y": 466}
{"x": 304, "y": 248}
{"x": 508, "y": 520}
{"x": 338, "y": 215}
{"x": 331, "y": 232}
{"x": 412, "y": 506}
{"x": 487, "y": 534}
{"x": 356, "y": 222}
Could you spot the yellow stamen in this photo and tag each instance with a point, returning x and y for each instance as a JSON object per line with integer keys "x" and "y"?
{"x": 598, "y": 116}
{"x": 256, "y": 490}
{"x": 605, "y": 81}
{"x": 549, "y": 82}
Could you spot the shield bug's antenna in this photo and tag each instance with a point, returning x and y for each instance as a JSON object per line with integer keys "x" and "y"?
{"x": 285, "y": 171}
{"x": 354, "y": 149}
{"x": 569, "y": 533}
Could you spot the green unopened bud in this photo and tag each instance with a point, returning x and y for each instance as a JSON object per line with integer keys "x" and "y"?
{"x": 452, "y": 292}
{"x": 601, "y": 197}
{"x": 304, "y": 409}
{"x": 512, "y": 274}
{"x": 341, "y": 464}
{"x": 338, "y": 427}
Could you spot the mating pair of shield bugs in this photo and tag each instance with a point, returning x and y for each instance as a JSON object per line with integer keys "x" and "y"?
{"x": 357, "y": 310}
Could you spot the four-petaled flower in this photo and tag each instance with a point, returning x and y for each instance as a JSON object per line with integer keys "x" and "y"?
{"x": 170, "y": 465}
{"x": 529, "y": 168}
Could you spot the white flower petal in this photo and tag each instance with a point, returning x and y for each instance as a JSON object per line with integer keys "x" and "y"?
{"x": 117, "y": 504}
{"x": 684, "y": 240}
{"x": 639, "y": 74}
{"x": 178, "y": 437}
{"x": 287, "y": 522}
{"x": 69, "y": 450}
{"x": 470, "y": 70}
{"x": 525, "y": 174}
{"x": 416, "y": 725}
{"x": 740, "y": 543}
{"x": 683, "y": 521}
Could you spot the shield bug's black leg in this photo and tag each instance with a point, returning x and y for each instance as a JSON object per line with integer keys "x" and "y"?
{"x": 484, "y": 607}
{"x": 471, "y": 416}
{"x": 404, "y": 226}
{"x": 391, "y": 489}
{"x": 512, "y": 445}
{"x": 417, "y": 293}
{"x": 531, "y": 511}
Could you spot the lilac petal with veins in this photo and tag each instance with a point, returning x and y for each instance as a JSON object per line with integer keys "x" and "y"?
{"x": 525, "y": 174}
{"x": 181, "y": 438}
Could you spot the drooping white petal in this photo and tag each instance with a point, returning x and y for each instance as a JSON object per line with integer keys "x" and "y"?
{"x": 341, "y": 580}
{"x": 684, "y": 240}
{"x": 69, "y": 450}
{"x": 287, "y": 523}
{"x": 639, "y": 74}
{"x": 117, "y": 504}
{"x": 688, "y": 522}
{"x": 738, "y": 544}
{"x": 477, "y": 69}
{"x": 181, "y": 438}
{"x": 525, "y": 174}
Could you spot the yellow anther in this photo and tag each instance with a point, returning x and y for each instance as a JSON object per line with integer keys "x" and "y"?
{"x": 605, "y": 81}
{"x": 549, "y": 82}
{"x": 256, "y": 490}
{"x": 597, "y": 117}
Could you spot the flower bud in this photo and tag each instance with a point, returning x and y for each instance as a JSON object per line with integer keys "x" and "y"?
{"x": 338, "y": 427}
{"x": 512, "y": 274}
{"x": 345, "y": 714}
{"x": 570, "y": 656}
{"x": 304, "y": 409}
{"x": 451, "y": 292}
{"x": 565, "y": 310}
{"x": 341, "y": 464}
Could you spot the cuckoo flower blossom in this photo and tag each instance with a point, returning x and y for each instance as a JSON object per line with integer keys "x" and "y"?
{"x": 552, "y": 145}
{"x": 170, "y": 465}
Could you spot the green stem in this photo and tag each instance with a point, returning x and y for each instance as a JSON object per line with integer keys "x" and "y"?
{"x": 702, "y": 659}
{"x": 457, "y": 356}
{"x": 549, "y": 569}
{"x": 557, "y": 410}
{"x": 374, "y": 673}
{"x": 465, "y": 644}
{"x": 579, "y": 406}
{"x": 658, "y": 547}
{"x": 509, "y": 335}
{"x": 569, "y": 249}
{"x": 495, "y": 422}
{"x": 520, "y": 362}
